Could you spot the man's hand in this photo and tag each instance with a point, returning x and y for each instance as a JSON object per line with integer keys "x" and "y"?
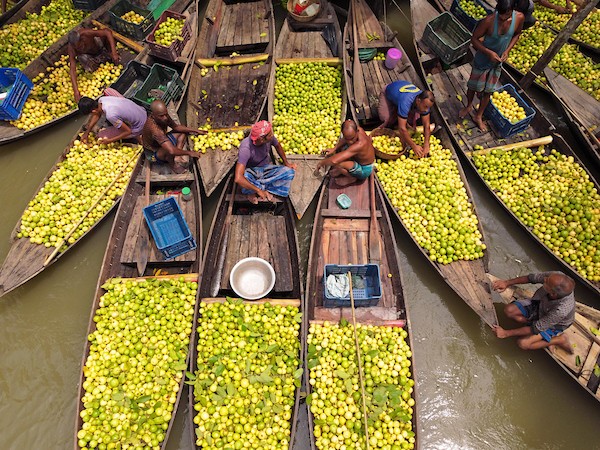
{"x": 291, "y": 165}
{"x": 425, "y": 149}
{"x": 504, "y": 56}
{"x": 500, "y": 332}
{"x": 494, "y": 56}
{"x": 197, "y": 132}
{"x": 328, "y": 151}
{"x": 116, "y": 58}
{"x": 84, "y": 137}
{"x": 419, "y": 151}
{"x": 499, "y": 285}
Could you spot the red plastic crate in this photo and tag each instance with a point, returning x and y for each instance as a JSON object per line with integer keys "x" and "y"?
{"x": 172, "y": 52}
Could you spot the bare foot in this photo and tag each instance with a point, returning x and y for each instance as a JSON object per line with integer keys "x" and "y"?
{"x": 253, "y": 198}
{"x": 563, "y": 342}
{"x": 480, "y": 123}
{"x": 344, "y": 180}
{"x": 464, "y": 112}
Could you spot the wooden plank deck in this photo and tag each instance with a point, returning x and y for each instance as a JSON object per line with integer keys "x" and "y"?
{"x": 259, "y": 235}
{"x": 345, "y": 240}
{"x": 245, "y": 27}
{"x": 133, "y": 232}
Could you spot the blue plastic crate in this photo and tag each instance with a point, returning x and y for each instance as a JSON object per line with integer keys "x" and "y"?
{"x": 469, "y": 22}
{"x": 169, "y": 228}
{"x": 501, "y": 124}
{"x": 19, "y": 87}
{"x": 369, "y": 296}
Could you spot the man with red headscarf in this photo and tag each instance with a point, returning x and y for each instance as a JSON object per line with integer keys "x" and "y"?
{"x": 254, "y": 171}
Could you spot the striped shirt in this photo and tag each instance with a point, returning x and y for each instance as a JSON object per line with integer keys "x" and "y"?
{"x": 559, "y": 312}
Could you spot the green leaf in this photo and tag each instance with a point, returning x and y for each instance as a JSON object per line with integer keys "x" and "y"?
{"x": 309, "y": 399}
{"x": 373, "y": 353}
{"x": 595, "y": 331}
{"x": 348, "y": 384}
{"x": 272, "y": 348}
{"x": 231, "y": 390}
{"x": 213, "y": 359}
{"x": 298, "y": 317}
{"x": 298, "y": 373}
{"x": 343, "y": 322}
{"x": 221, "y": 392}
{"x": 596, "y": 370}
{"x": 190, "y": 376}
{"x": 320, "y": 422}
{"x": 199, "y": 434}
{"x": 118, "y": 396}
{"x": 219, "y": 370}
{"x": 341, "y": 373}
{"x": 143, "y": 399}
{"x": 203, "y": 401}
{"x": 312, "y": 363}
{"x": 179, "y": 365}
{"x": 277, "y": 409}
{"x": 312, "y": 349}
{"x": 161, "y": 381}
{"x": 577, "y": 361}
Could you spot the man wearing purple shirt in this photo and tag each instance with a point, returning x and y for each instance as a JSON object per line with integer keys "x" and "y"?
{"x": 254, "y": 173}
{"x": 126, "y": 117}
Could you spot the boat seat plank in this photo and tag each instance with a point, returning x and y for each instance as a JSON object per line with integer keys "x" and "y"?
{"x": 587, "y": 368}
{"x": 362, "y": 245}
{"x": 334, "y": 247}
{"x": 262, "y": 235}
{"x": 162, "y": 174}
{"x": 337, "y": 224}
{"x": 581, "y": 346}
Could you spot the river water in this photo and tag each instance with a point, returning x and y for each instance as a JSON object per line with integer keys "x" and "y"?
{"x": 474, "y": 391}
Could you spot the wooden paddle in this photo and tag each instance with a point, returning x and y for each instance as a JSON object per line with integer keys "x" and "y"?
{"x": 360, "y": 370}
{"x": 527, "y": 144}
{"x": 141, "y": 247}
{"x": 214, "y": 289}
{"x": 230, "y": 61}
{"x": 374, "y": 241}
{"x": 90, "y": 209}
{"x": 357, "y": 73}
{"x": 328, "y": 61}
{"x": 119, "y": 37}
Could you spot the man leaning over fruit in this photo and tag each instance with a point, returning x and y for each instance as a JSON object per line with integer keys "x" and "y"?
{"x": 90, "y": 48}
{"x": 500, "y": 31}
{"x": 545, "y": 316}
{"x": 353, "y": 156}
{"x": 406, "y": 103}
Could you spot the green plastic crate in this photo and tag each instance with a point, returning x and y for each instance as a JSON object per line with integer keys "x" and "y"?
{"x": 447, "y": 37}
{"x": 162, "y": 78}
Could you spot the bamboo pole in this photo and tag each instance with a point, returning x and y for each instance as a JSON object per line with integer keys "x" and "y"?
{"x": 231, "y": 61}
{"x": 100, "y": 197}
{"x": 561, "y": 39}
{"x": 328, "y": 61}
{"x": 119, "y": 37}
{"x": 527, "y": 144}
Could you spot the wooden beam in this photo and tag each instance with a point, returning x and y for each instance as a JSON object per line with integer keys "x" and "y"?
{"x": 561, "y": 39}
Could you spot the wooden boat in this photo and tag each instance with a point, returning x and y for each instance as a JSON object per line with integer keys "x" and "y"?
{"x": 467, "y": 278}
{"x": 581, "y": 110}
{"x": 225, "y": 91}
{"x": 345, "y": 237}
{"x": 126, "y": 237}
{"x": 129, "y": 242}
{"x": 10, "y": 133}
{"x": 582, "y": 364}
{"x": 12, "y": 8}
{"x": 365, "y": 82}
{"x": 240, "y": 230}
{"x": 450, "y": 89}
{"x": 26, "y": 260}
{"x": 303, "y": 42}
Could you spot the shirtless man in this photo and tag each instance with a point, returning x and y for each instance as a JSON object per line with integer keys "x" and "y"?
{"x": 91, "y": 48}
{"x": 162, "y": 146}
{"x": 353, "y": 156}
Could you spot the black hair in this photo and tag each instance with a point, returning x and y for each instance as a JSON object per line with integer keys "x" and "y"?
{"x": 86, "y": 105}
{"x": 503, "y": 6}
{"x": 426, "y": 95}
